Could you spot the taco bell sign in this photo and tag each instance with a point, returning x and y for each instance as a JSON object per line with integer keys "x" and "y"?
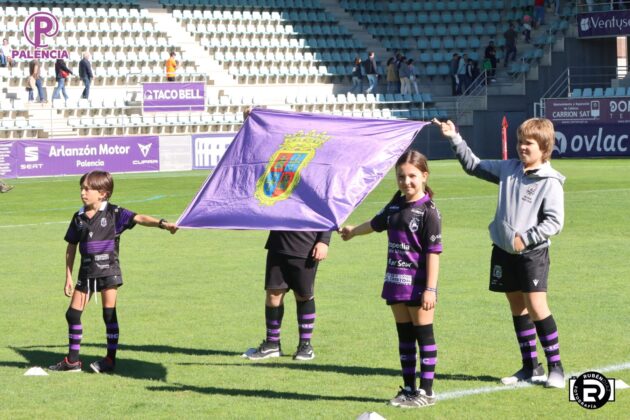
{"x": 166, "y": 97}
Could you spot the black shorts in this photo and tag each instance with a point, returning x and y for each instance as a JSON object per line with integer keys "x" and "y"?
{"x": 526, "y": 272}
{"x": 287, "y": 272}
{"x": 409, "y": 303}
{"x": 101, "y": 283}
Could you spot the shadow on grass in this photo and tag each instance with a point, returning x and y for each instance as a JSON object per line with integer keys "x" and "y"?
{"x": 153, "y": 348}
{"x": 261, "y": 393}
{"x": 128, "y": 368}
{"x": 352, "y": 370}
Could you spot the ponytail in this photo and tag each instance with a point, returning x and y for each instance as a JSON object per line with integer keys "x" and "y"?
{"x": 429, "y": 191}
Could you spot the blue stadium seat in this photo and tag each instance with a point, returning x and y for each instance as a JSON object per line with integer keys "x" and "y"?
{"x": 587, "y": 93}
{"x": 620, "y": 91}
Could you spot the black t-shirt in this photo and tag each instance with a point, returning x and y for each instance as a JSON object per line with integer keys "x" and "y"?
{"x": 294, "y": 243}
{"x": 98, "y": 239}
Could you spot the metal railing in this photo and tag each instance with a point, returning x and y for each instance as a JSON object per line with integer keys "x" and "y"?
{"x": 584, "y": 6}
{"x": 474, "y": 97}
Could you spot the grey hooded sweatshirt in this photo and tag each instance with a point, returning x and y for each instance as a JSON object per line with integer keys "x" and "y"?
{"x": 530, "y": 203}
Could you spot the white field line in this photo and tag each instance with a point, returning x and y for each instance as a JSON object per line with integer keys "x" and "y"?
{"x": 490, "y": 389}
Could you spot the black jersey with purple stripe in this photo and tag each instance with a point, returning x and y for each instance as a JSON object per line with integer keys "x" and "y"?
{"x": 413, "y": 230}
{"x": 98, "y": 239}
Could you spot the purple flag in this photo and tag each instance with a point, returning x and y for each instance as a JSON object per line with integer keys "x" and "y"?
{"x": 291, "y": 171}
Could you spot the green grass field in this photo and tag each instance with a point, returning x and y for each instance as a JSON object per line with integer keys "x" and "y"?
{"x": 193, "y": 302}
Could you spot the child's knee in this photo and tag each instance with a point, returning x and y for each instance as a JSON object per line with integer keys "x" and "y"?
{"x": 73, "y": 316}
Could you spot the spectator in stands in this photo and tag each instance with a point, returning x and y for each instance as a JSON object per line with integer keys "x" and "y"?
{"x": 539, "y": 12}
{"x": 527, "y": 28}
{"x": 472, "y": 71}
{"x": 4, "y": 188}
{"x": 171, "y": 67}
{"x": 491, "y": 55}
{"x": 462, "y": 75}
{"x": 405, "y": 82}
{"x": 34, "y": 71}
{"x": 85, "y": 73}
{"x": 453, "y": 72}
{"x": 5, "y": 54}
{"x": 413, "y": 75}
{"x": 357, "y": 76}
{"x": 62, "y": 72}
{"x": 371, "y": 71}
{"x": 510, "y": 44}
{"x": 392, "y": 76}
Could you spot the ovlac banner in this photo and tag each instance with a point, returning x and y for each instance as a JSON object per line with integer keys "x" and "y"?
{"x": 166, "y": 97}
{"x": 592, "y": 140}
{"x": 77, "y": 156}
{"x": 291, "y": 171}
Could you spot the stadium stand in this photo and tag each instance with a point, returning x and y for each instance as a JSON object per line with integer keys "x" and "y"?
{"x": 288, "y": 54}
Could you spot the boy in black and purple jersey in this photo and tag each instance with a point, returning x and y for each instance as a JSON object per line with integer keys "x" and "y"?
{"x": 414, "y": 233}
{"x": 96, "y": 228}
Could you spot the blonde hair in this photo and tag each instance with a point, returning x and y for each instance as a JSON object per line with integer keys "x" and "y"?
{"x": 542, "y": 131}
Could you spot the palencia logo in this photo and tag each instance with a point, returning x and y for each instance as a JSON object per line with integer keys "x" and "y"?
{"x": 591, "y": 390}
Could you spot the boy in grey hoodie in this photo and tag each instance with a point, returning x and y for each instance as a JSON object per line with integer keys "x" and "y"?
{"x": 530, "y": 209}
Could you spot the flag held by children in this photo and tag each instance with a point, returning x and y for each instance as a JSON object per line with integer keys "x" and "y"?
{"x": 293, "y": 171}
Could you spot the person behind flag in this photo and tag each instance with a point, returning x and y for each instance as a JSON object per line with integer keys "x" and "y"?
{"x": 414, "y": 232}
{"x": 96, "y": 229}
{"x": 292, "y": 261}
{"x": 530, "y": 209}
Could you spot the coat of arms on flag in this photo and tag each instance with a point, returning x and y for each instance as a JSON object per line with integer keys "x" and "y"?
{"x": 301, "y": 172}
{"x": 282, "y": 173}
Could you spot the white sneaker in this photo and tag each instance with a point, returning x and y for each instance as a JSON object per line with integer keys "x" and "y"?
{"x": 556, "y": 378}
{"x": 535, "y": 375}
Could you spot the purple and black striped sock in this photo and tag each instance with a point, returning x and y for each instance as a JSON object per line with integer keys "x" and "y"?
{"x": 75, "y": 334}
{"x": 273, "y": 319}
{"x": 111, "y": 331}
{"x": 548, "y": 335}
{"x": 428, "y": 356}
{"x": 407, "y": 351}
{"x": 306, "y": 319}
{"x": 526, "y": 336}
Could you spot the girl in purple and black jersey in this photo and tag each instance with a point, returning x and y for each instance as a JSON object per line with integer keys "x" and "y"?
{"x": 414, "y": 243}
{"x": 96, "y": 229}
